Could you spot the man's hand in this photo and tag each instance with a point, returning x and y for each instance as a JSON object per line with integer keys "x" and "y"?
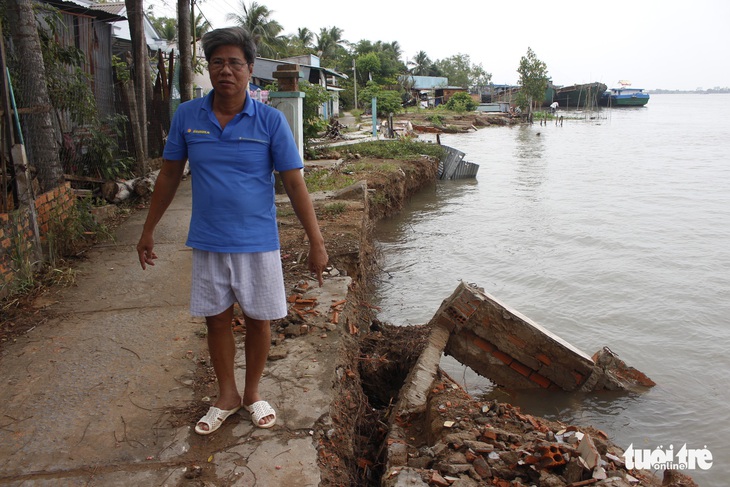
{"x": 144, "y": 249}
{"x": 317, "y": 261}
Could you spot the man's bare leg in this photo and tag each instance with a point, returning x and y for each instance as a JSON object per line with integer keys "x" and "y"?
{"x": 258, "y": 341}
{"x": 222, "y": 348}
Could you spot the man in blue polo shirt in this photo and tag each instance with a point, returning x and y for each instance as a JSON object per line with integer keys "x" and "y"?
{"x": 234, "y": 144}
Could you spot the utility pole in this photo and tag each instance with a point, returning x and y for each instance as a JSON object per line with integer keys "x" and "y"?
{"x": 354, "y": 81}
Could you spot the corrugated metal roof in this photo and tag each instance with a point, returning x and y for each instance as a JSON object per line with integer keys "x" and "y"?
{"x": 82, "y": 9}
{"x": 426, "y": 82}
{"x": 118, "y": 8}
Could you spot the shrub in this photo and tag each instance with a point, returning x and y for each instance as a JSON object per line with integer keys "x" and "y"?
{"x": 461, "y": 102}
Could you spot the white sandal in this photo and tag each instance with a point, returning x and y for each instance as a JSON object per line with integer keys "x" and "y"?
{"x": 259, "y": 410}
{"x": 214, "y": 418}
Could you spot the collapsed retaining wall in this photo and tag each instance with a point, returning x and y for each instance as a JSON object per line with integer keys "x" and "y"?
{"x": 512, "y": 350}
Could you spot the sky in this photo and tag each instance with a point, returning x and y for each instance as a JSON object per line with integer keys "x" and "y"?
{"x": 653, "y": 44}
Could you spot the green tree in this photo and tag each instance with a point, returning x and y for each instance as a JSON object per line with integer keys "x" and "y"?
{"x": 390, "y": 64}
{"x": 457, "y": 68}
{"x": 461, "y": 102}
{"x": 388, "y": 101}
{"x": 480, "y": 79}
{"x": 301, "y": 42}
{"x": 533, "y": 78}
{"x": 165, "y": 26}
{"x": 421, "y": 65}
{"x": 314, "y": 97}
{"x": 200, "y": 26}
{"x": 330, "y": 44}
{"x": 367, "y": 64}
{"x": 256, "y": 19}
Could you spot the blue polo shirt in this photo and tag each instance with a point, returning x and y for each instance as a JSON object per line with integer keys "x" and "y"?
{"x": 232, "y": 173}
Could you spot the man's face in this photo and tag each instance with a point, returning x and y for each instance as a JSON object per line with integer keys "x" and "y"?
{"x": 229, "y": 71}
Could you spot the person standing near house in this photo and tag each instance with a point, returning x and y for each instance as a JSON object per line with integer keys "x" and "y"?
{"x": 234, "y": 144}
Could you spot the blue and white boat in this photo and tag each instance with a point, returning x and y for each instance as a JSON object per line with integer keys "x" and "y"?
{"x": 625, "y": 96}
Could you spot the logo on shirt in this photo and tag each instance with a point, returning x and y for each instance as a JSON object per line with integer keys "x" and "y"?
{"x": 196, "y": 131}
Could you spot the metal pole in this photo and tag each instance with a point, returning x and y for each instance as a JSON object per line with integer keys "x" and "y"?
{"x": 375, "y": 117}
{"x": 354, "y": 81}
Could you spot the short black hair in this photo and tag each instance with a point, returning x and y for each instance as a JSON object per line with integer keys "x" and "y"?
{"x": 229, "y": 36}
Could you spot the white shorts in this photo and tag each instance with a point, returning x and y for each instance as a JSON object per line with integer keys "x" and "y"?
{"x": 255, "y": 280}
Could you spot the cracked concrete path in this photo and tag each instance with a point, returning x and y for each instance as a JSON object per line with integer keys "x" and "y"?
{"x": 90, "y": 396}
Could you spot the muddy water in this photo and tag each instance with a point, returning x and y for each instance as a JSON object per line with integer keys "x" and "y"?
{"x": 608, "y": 231}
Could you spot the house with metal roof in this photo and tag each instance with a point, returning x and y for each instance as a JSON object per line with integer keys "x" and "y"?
{"x": 429, "y": 90}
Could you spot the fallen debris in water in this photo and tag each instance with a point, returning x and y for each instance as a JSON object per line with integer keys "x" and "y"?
{"x": 440, "y": 435}
{"x": 514, "y": 351}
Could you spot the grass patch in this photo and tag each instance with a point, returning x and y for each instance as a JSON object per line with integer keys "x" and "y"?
{"x": 324, "y": 180}
{"x": 436, "y": 119}
{"x": 333, "y": 209}
{"x": 364, "y": 166}
{"x": 284, "y": 211}
{"x": 397, "y": 149}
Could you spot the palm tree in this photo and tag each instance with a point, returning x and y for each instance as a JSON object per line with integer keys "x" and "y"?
{"x": 329, "y": 42}
{"x": 167, "y": 28}
{"x": 421, "y": 64}
{"x": 200, "y": 26}
{"x": 303, "y": 37}
{"x": 256, "y": 19}
{"x": 394, "y": 48}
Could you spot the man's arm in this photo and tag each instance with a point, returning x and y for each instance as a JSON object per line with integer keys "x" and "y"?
{"x": 296, "y": 189}
{"x": 165, "y": 188}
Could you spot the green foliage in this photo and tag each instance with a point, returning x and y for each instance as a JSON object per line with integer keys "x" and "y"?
{"x": 73, "y": 230}
{"x": 69, "y": 87}
{"x": 334, "y": 209}
{"x": 121, "y": 69}
{"x": 533, "y": 78}
{"x": 256, "y": 18}
{"x": 388, "y": 101}
{"x": 461, "y": 102}
{"x": 103, "y": 147}
{"x": 314, "y": 97}
{"x": 379, "y": 199}
{"x": 397, "y": 149}
{"x": 461, "y": 72}
{"x": 386, "y": 167}
{"x": 436, "y": 119}
{"x": 21, "y": 256}
{"x": 386, "y": 69}
{"x": 367, "y": 64}
{"x": 325, "y": 180}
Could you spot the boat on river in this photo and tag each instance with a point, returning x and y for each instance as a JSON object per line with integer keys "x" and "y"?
{"x": 585, "y": 95}
{"x": 625, "y": 96}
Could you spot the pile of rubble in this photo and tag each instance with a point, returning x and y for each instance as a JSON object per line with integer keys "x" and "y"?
{"x": 461, "y": 442}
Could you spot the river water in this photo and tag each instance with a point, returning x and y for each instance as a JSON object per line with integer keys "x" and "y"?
{"x": 608, "y": 231}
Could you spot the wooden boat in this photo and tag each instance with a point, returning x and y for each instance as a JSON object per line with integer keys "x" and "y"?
{"x": 580, "y": 96}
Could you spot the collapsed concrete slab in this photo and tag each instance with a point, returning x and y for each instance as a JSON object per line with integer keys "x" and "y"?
{"x": 513, "y": 351}
{"x": 509, "y": 349}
